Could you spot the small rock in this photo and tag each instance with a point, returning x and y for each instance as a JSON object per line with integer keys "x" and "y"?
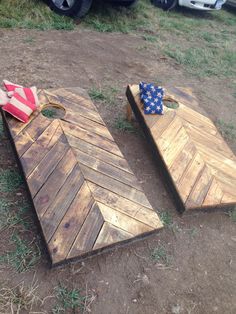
{"x": 145, "y": 279}
{"x": 233, "y": 239}
{"x": 134, "y": 300}
{"x": 140, "y": 295}
{"x": 175, "y": 309}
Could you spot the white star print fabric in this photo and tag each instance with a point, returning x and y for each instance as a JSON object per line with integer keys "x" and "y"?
{"x": 151, "y": 97}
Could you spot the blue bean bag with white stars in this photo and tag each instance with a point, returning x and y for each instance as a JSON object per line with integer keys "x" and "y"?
{"x": 151, "y": 97}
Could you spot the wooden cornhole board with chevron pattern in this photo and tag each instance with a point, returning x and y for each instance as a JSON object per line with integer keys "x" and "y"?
{"x": 85, "y": 195}
{"x": 200, "y": 166}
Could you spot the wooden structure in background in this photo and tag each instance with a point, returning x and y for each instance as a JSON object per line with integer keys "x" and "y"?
{"x": 85, "y": 195}
{"x": 199, "y": 163}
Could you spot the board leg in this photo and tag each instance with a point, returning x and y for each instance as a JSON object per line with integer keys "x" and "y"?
{"x": 128, "y": 112}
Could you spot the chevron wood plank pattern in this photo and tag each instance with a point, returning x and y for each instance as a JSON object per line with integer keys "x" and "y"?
{"x": 85, "y": 195}
{"x": 200, "y": 166}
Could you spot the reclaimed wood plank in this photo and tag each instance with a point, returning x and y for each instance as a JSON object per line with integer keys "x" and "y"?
{"x": 32, "y": 157}
{"x": 16, "y": 127}
{"x": 30, "y": 134}
{"x": 64, "y": 236}
{"x": 53, "y": 184}
{"x": 214, "y": 194}
{"x": 125, "y": 206}
{"x": 99, "y": 153}
{"x": 197, "y": 119}
{"x": 182, "y": 161}
{"x": 168, "y": 135}
{"x": 122, "y": 221}
{"x": 207, "y": 140}
{"x": 47, "y": 165}
{"x": 200, "y": 189}
{"x": 81, "y": 110}
{"x": 109, "y": 234}
{"x": 190, "y": 176}
{"x": 56, "y": 211}
{"x": 87, "y": 124}
{"x": 170, "y": 152}
{"x": 162, "y": 124}
{"x": 115, "y": 186}
{"x": 85, "y": 239}
{"x": 95, "y": 139}
{"x": 107, "y": 169}
{"x": 75, "y": 99}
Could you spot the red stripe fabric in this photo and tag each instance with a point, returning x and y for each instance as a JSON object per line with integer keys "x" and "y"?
{"x": 19, "y": 108}
{"x": 15, "y": 112}
{"x": 24, "y": 101}
{"x": 10, "y": 87}
{"x": 29, "y": 95}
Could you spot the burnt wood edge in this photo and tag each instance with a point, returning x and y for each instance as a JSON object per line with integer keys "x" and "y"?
{"x": 155, "y": 152}
{"x": 107, "y": 249}
{"x": 30, "y": 199}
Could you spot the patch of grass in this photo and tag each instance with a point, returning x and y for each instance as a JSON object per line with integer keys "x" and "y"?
{"x": 142, "y": 48}
{"x": 170, "y": 104}
{"x": 204, "y": 61}
{"x": 193, "y": 232}
{"x": 19, "y": 299}
{"x": 209, "y": 37}
{"x": 228, "y": 130}
{"x": 24, "y": 255}
{"x": 31, "y": 14}
{"x": 123, "y": 125}
{"x": 166, "y": 218}
{"x": 160, "y": 255}
{"x": 29, "y": 40}
{"x": 97, "y": 94}
{"x": 5, "y": 205}
{"x": 225, "y": 17}
{"x": 12, "y": 217}
{"x": 69, "y": 299}
{"x": 10, "y": 180}
{"x": 106, "y": 95}
{"x": 2, "y": 132}
{"x": 150, "y": 38}
{"x": 232, "y": 214}
{"x": 108, "y": 18}
{"x": 143, "y": 17}
{"x": 49, "y": 113}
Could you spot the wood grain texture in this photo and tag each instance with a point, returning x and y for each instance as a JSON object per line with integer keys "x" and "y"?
{"x": 199, "y": 163}
{"x": 85, "y": 195}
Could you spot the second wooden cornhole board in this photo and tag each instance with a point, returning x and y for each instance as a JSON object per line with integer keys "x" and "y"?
{"x": 85, "y": 195}
{"x": 199, "y": 163}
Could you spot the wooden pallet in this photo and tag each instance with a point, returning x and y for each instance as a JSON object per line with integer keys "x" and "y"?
{"x": 85, "y": 195}
{"x": 200, "y": 165}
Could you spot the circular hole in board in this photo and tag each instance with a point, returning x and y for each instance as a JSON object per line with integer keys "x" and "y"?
{"x": 172, "y": 104}
{"x": 52, "y": 111}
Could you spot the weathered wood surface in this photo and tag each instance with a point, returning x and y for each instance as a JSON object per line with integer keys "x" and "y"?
{"x": 200, "y": 164}
{"x": 85, "y": 195}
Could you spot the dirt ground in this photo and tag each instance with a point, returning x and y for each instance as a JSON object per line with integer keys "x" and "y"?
{"x": 201, "y": 277}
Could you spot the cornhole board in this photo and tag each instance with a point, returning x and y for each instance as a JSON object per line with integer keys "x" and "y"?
{"x": 86, "y": 197}
{"x": 200, "y": 166}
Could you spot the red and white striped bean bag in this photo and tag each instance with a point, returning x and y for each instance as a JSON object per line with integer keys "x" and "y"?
{"x": 19, "y": 107}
